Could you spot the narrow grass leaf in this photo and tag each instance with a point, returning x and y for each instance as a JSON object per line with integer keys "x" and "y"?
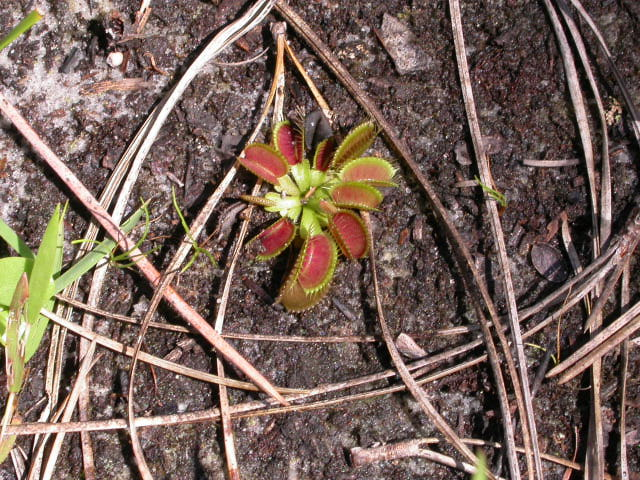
{"x": 10, "y": 236}
{"x": 91, "y": 259}
{"x": 41, "y": 281}
{"x": 6, "y": 445}
{"x": 12, "y": 269}
{"x": 25, "y": 24}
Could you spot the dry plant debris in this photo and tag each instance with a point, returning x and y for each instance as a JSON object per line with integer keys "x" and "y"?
{"x": 438, "y": 279}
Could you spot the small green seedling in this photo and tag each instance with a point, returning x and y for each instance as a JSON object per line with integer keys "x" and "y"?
{"x": 121, "y": 260}
{"x": 25, "y": 24}
{"x": 317, "y": 197}
{"x": 554, "y": 359}
{"x": 197, "y": 249}
{"x": 481, "y": 467}
{"x": 496, "y": 195}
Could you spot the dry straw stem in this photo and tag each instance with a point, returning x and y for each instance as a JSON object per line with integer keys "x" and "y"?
{"x": 595, "y": 441}
{"x": 247, "y": 336}
{"x": 257, "y": 337}
{"x": 252, "y": 409}
{"x": 412, "y": 448}
{"x": 132, "y": 160}
{"x": 121, "y": 180}
{"x": 599, "y": 345}
{"x": 616, "y": 257}
{"x": 521, "y": 384}
{"x": 605, "y": 174}
{"x": 276, "y": 96}
{"x": 417, "y": 392}
{"x": 624, "y": 363}
{"x": 595, "y": 451}
{"x": 85, "y": 367}
{"x": 566, "y": 162}
{"x": 472, "y": 279}
{"x": 620, "y": 247}
{"x": 153, "y": 360}
{"x": 258, "y": 408}
{"x": 103, "y": 217}
{"x": 415, "y": 447}
{"x": 633, "y": 111}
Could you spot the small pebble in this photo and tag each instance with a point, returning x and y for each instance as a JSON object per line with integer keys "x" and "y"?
{"x": 462, "y": 153}
{"x": 71, "y": 61}
{"x": 115, "y": 59}
{"x": 549, "y": 262}
{"x": 402, "y": 45}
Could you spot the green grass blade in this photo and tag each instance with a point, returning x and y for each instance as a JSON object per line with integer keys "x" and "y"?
{"x": 117, "y": 259}
{"x": 41, "y": 281}
{"x": 6, "y": 445}
{"x": 12, "y": 269}
{"x": 185, "y": 225}
{"x": 481, "y": 467}
{"x": 10, "y": 236}
{"x": 90, "y": 260}
{"x": 495, "y": 194}
{"x": 25, "y": 24}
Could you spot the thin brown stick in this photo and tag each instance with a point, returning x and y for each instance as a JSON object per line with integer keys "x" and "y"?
{"x": 149, "y": 271}
{"x": 258, "y": 408}
{"x": 253, "y": 336}
{"x": 567, "y": 162}
{"x": 443, "y": 332}
{"x": 243, "y": 410}
{"x": 138, "y": 453}
{"x": 633, "y": 111}
{"x": 120, "y": 181}
{"x": 523, "y": 394}
{"x": 150, "y": 359}
{"x": 624, "y": 363}
{"x": 410, "y": 448}
{"x": 315, "y": 91}
{"x": 605, "y": 174}
{"x": 471, "y": 277}
{"x": 85, "y": 366}
{"x": 602, "y": 343}
{"x": 277, "y": 96}
{"x": 595, "y": 450}
{"x": 387, "y": 452}
{"x": 409, "y": 381}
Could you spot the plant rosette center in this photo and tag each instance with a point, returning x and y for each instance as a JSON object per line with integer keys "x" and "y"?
{"x": 318, "y": 202}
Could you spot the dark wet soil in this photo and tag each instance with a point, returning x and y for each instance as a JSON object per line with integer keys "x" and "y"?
{"x": 525, "y": 109}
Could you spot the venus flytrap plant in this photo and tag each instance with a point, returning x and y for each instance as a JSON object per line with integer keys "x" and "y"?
{"x": 317, "y": 201}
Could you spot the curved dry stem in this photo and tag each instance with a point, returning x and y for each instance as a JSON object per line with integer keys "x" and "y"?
{"x": 149, "y": 271}
{"x": 471, "y": 277}
{"x": 403, "y": 371}
{"x": 152, "y": 360}
{"x": 521, "y": 384}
